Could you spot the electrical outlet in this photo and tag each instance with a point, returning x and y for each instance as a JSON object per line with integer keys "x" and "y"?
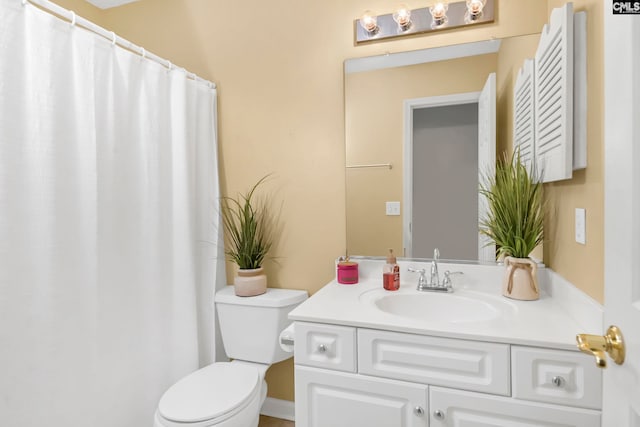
{"x": 393, "y": 208}
{"x": 581, "y": 226}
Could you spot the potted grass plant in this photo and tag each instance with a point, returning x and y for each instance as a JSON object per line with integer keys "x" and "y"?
{"x": 514, "y": 221}
{"x": 249, "y": 227}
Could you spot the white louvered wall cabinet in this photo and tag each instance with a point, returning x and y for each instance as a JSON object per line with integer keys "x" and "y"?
{"x": 549, "y": 117}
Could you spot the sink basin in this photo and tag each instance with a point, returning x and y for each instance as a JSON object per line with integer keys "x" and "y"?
{"x": 461, "y": 307}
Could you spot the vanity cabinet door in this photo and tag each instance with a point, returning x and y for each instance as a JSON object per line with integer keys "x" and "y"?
{"x": 459, "y": 408}
{"x": 337, "y": 399}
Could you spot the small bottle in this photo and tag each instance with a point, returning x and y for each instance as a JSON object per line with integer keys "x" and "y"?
{"x": 391, "y": 273}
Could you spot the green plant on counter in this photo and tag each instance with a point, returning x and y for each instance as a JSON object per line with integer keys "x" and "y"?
{"x": 249, "y": 227}
{"x": 514, "y": 220}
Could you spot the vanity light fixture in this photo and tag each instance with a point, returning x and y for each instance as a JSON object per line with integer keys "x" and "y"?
{"x": 437, "y": 15}
{"x": 402, "y": 16}
{"x": 369, "y": 22}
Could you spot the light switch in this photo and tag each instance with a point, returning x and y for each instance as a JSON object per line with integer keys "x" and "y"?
{"x": 393, "y": 208}
{"x": 581, "y": 226}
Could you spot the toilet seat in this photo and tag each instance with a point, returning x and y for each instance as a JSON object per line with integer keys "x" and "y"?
{"x": 210, "y": 395}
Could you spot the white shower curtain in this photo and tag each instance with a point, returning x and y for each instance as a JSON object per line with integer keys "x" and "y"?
{"x": 109, "y": 237}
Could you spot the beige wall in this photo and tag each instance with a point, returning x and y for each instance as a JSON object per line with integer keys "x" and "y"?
{"x": 582, "y": 265}
{"x": 374, "y": 129}
{"x": 84, "y": 9}
{"x": 281, "y": 110}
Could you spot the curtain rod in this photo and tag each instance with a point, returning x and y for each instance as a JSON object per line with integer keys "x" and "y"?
{"x": 115, "y": 39}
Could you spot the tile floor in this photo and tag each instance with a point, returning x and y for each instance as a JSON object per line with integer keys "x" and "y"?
{"x": 274, "y": 422}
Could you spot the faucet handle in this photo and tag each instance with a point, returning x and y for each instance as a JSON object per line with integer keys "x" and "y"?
{"x": 446, "y": 282}
{"x": 422, "y": 280}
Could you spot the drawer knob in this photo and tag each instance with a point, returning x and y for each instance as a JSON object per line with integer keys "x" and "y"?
{"x": 322, "y": 348}
{"x": 419, "y": 411}
{"x": 438, "y": 414}
{"x": 557, "y": 381}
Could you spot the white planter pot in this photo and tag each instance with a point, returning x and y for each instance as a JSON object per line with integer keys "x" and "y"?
{"x": 520, "y": 279}
{"x": 250, "y": 282}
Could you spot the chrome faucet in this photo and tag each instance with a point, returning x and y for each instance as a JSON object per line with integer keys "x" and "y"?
{"x": 433, "y": 283}
{"x": 434, "y": 280}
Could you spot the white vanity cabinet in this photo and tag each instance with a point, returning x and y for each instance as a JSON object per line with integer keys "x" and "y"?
{"x": 347, "y": 376}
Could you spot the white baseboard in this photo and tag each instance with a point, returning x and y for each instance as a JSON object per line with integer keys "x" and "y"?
{"x": 278, "y": 408}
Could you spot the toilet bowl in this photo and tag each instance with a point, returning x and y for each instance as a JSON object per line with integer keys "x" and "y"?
{"x": 224, "y": 394}
{"x": 230, "y": 394}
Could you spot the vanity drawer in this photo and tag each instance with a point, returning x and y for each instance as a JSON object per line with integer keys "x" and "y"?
{"x": 325, "y": 346}
{"x": 468, "y": 365}
{"x": 556, "y": 376}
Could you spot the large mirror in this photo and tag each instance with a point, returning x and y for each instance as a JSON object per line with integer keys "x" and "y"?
{"x": 428, "y": 101}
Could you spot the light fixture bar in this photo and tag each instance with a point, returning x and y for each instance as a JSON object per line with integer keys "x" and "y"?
{"x": 422, "y": 22}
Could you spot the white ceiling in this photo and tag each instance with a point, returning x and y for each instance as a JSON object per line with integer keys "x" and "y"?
{"x": 107, "y": 4}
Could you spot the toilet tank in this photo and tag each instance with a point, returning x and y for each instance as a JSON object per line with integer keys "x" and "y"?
{"x": 251, "y": 326}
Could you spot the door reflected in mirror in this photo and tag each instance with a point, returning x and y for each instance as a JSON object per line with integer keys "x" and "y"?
{"x": 445, "y": 150}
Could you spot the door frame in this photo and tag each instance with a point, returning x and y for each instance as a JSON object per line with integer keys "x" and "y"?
{"x": 407, "y": 157}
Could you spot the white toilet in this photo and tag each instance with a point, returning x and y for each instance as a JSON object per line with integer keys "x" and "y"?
{"x": 230, "y": 394}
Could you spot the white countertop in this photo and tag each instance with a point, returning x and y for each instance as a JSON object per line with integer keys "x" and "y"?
{"x": 543, "y": 323}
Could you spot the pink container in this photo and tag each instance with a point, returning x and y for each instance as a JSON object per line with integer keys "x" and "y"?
{"x": 347, "y": 272}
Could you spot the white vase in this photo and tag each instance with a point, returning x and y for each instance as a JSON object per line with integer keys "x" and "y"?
{"x": 520, "y": 279}
{"x": 250, "y": 282}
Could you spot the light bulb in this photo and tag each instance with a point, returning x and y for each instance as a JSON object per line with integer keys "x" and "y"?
{"x": 474, "y": 7}
{"x": 439, "y": 10}
{"x": 439, "y": 13}
{"x": 402, "y": 16}
{"x": 369, "y": 21}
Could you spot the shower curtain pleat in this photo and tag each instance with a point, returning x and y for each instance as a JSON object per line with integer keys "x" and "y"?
{"x": 110, "y": 247}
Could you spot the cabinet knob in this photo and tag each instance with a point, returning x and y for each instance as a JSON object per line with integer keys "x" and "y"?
{"x": 418, "y": 411}
{"x": 322, "y": 348}
{"x": 438, "y": 414}
{"x": 557, "y": 381}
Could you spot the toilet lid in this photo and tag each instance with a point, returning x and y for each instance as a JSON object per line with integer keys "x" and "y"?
{"x": 210, "y": 392}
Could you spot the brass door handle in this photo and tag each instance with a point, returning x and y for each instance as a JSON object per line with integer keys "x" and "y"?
{"x": 596, "y": 345}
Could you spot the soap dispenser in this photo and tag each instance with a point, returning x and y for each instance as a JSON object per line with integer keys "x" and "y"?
{"x": 391, "y": 273}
